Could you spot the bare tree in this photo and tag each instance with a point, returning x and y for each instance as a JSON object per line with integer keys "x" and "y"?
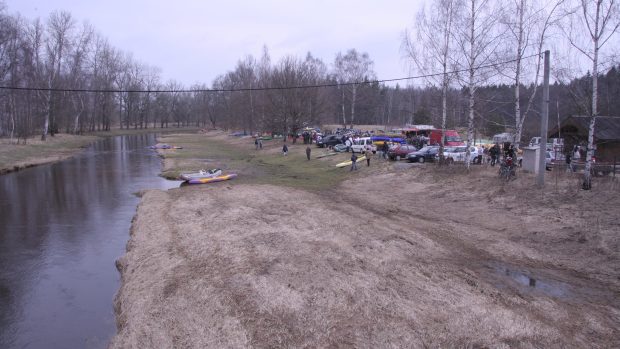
{"x": 478, "y": 41}
{"x": 59, "y": 26}
{"x": 77, "y": 74}
{"x": 527, "y": 23}
{"x": 600, "y": 20}
{"x": 351, "y": 69}
{"x": 431, "y": 55}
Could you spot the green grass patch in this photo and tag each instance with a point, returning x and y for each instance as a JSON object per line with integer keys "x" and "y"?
{"x": 256, "y": 167}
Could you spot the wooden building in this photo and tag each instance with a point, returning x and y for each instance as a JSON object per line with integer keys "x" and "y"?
{"x": 574, "y": 130}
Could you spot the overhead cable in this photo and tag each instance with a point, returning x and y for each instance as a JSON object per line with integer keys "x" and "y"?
{"x": 367, "y": 82}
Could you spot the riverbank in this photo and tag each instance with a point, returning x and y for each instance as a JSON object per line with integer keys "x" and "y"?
{"x": 15, "y": 157}
{"x": 389, "y": 256}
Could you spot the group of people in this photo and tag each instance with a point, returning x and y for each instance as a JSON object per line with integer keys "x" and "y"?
{"x": 495, "y": 151}
{"x": 367, "y": 154}
{"x": 258, "y": 143}
{"x": 419, "y": 141}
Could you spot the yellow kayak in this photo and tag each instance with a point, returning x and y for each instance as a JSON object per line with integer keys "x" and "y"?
{"x": 348, "y": 163}
{"x": 212, "y": 179}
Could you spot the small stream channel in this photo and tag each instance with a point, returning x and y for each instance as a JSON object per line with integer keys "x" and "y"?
{"x": 62, "y": 226}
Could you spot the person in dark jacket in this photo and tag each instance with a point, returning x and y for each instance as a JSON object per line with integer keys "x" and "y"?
{"x": 494, "y": 152}
{"x": 308, "y": 151}
{"x": 353, "y": 162}
{"x": 569, "y": 162}
{"x": 285, "y": 150}
{"x": 385, "y": 149}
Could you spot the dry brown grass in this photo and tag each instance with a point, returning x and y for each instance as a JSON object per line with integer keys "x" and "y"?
{"x": 402, "y": 259}
{"x": 36, "y": 152}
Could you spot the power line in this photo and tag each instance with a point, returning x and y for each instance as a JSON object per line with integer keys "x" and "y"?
{"x": 15, "y": 88}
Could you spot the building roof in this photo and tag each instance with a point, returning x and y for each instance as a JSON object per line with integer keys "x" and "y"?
{"x": 607, "y": 128}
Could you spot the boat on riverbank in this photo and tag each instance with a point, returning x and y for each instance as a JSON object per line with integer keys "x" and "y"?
{"x": 213, "y": 179}
{"x": 201, "y": 174}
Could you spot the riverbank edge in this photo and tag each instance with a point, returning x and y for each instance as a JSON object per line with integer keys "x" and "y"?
{"x": 33, "y": 162}
{"x": 29, "y": 162}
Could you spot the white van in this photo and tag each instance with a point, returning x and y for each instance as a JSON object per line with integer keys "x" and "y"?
{"x": 553, "y": 144}
{"x": 361, "y": 144}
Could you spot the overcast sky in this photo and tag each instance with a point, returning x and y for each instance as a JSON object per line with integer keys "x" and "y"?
{"x": 194, "y": 41}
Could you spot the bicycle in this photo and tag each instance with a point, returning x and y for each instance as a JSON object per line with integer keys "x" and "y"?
{"x": 507, "y": 170}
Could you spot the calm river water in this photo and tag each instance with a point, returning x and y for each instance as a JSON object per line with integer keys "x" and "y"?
{"x": 62, "y": 226}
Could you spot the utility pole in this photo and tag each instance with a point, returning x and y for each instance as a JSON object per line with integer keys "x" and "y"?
{"x": 543, "y": 124}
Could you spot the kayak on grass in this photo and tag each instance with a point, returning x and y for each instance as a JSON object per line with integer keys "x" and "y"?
{"x": 164, "y": 146}
{"x": 211, "y": 180}
{"x": 201, "y": 174}
{"x": 347, "y": 163}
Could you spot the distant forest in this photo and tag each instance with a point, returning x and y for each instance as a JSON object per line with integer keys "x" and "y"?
{"x": 59, "y": 76}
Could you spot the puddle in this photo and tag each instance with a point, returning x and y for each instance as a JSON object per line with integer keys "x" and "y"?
{"x": 533, "y": 281}
{"x": 551, "y": 283}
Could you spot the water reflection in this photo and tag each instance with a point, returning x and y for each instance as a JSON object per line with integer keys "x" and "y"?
{"x": 62, "y": 228}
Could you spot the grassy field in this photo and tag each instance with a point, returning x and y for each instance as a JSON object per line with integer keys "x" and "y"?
{"x": 267, "y": 166}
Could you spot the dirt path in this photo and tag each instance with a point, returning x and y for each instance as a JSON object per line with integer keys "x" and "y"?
{"x": 397, "y": 256}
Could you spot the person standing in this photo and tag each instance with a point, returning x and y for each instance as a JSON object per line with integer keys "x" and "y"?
{"x": 260, "y": 143}
{"x": 256, "y": 143}
{"x": 368, "y": 155}
{"x": 385, "y": 149}
{"x": 353, "y": 162}
{"x": 576, "y": 153}
{"x": 308, "y": 151}
{"x": 285, "y": 150}
{"x": 494, "y": 154}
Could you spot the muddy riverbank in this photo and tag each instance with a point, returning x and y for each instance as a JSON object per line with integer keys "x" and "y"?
{"x": 389, "y": 256}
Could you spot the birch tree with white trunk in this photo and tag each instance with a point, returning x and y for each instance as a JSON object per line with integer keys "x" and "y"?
{"x": 478, "y": 40}
{"x": 430, "y": 55}
{"x": 527, "y": 23}
{"x": 599, "y": 20}
{"x": 351, "y": 69}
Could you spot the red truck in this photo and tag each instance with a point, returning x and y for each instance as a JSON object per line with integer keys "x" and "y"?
{"x": 452, "y": 138}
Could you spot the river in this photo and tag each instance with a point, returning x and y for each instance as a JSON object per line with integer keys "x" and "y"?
{"x": 62, "y": 227}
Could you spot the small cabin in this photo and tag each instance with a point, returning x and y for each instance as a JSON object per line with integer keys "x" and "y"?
{"x": 574, "y": 130}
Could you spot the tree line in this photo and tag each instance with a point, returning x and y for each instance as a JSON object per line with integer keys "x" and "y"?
{"x": 480, "y": 58}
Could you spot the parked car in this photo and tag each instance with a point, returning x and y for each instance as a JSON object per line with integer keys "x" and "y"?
{"x": 400, "y": 151}
{"x": 458, "y": 154}
{"x": 425, "y": 154}
{"x": 340, "y": 148}
{"x": 360, "y": 145}
{"x": 329, "y": 141}
{"x": 548, "y": 161}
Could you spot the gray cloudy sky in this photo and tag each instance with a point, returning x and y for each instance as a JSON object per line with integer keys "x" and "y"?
{"x": 194, "y": 41}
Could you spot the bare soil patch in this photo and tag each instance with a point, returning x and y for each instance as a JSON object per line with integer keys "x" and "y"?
{"x": 393, "y": 256}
